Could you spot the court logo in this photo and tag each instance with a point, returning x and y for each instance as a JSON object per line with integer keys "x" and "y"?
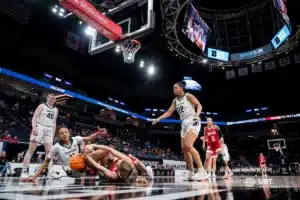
{"x": 252, "y": 182}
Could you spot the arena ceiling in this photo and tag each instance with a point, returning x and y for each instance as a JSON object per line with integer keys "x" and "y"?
{"x": 39, "y": 47}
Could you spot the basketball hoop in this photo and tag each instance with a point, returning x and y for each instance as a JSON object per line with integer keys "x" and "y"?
{"x": 130, "y": 48}
{"x": 277, "y": 147}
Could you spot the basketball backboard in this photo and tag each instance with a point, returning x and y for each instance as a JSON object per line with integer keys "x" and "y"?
{"x": 136, "y": 17}
{"x": 276, "y": 143}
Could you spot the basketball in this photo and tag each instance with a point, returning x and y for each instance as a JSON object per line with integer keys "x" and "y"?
{"x": 78, "y": 163}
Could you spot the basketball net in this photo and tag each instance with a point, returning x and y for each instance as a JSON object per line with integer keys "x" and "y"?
{"x": 277, "y": 147}
{"x": 130, "y": 48}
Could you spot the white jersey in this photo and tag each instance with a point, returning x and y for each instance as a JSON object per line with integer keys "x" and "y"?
{"x": 185, "y": 108}
{"x": 63, "y": 152}
{"x": 47, "y": 115}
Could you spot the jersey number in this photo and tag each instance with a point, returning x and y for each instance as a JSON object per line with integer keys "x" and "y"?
{"x": 50, "y": 115}
{"x": 213, "y": 138}
{"x": 180, "y": 109}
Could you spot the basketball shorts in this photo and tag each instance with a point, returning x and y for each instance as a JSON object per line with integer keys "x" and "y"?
{"x": 226, "y": 156}
{"x": 190, "y": 124}
{"x": 262, "y": 164}
{"x": 44, "y": 135}
{"x": 213, "y": 149}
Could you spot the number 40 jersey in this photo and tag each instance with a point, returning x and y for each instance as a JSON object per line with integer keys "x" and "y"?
{"x": 46, "y": 116}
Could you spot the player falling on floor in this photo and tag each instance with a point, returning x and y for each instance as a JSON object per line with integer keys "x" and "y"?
{"x": 262, "y": 164}
{"x": 64, "y": 149}
{"x": 226, "y": 158}
{"x": 185, "y": 104}
{"x": 43, "y": 131}
{"x": 212, "y": 136}
{"x": 122, "y": 168}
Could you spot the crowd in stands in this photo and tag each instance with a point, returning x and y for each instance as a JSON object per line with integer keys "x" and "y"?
{"x": 16, "y": 126}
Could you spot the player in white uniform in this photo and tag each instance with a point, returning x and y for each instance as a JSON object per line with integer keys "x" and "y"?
{"x": 65, "y": 148}
{"x": 226, "y": 158}
{"x": 185, "y": 104}
{"x": 43, "y": 131}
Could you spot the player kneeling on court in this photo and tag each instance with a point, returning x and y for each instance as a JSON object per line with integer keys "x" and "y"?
{"x": 122, "y": 168}
{"x": 226, "y": 158}
{"x": 64, "y": 149}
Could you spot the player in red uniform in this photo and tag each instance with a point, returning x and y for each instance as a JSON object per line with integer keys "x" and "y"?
{"x": 212, "y": 136}
{"x": 123, "y": 167}
{"x": 262, "y": 164}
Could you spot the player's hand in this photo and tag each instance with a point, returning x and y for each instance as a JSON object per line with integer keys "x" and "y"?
{"x": 89, "y": 148}
{"x": 155, "y": 121}
{"x": 85, "y": 151}
{"x": 35, "y": 131}
{"x": 29, "y": 179}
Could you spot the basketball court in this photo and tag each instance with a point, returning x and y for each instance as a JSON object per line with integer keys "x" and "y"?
{"x": 166, "y": 188}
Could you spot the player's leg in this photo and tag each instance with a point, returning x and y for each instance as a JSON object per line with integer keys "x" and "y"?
{"x": 264, "y": 171}
{"x": 100, "y": 156}
{"x": 208, "y": 159}
{"x": 31, "y": 149}
{"x": 47, "y": 141}
{"x": 188, "y": 146}
{"x": 48, "y": 147}
{"x": 214, "y": 165}
{"x": 188, "y": 159}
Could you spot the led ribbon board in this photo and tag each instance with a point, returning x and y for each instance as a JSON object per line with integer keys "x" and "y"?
{"x": 217, "y": 54}
{"x": 251, "y": 54}
{"x": 84, "y": 98}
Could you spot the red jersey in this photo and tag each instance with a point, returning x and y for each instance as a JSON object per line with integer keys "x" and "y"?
{"x": 114, "y": 168}
{"x": 262, "y": 159}
{"x": 212, "y": 134}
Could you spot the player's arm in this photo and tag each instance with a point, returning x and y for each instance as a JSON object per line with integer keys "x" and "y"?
{"x": 54, "y": 122}
{"x": 41, "y": 168}
{"x": 94, "y": 135}
{"x": 111, "y": 151}
{"x": 221, "y": 136}
{"x": 195, "y": 102}
{"x": 93, "y": 164}
{"x": 204, "y": 139}
{"x": 138, "y": 163}
{"x": 45, "y": 164}
{"x": 37, "y": 112}
{"x": 167, "y": 114}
